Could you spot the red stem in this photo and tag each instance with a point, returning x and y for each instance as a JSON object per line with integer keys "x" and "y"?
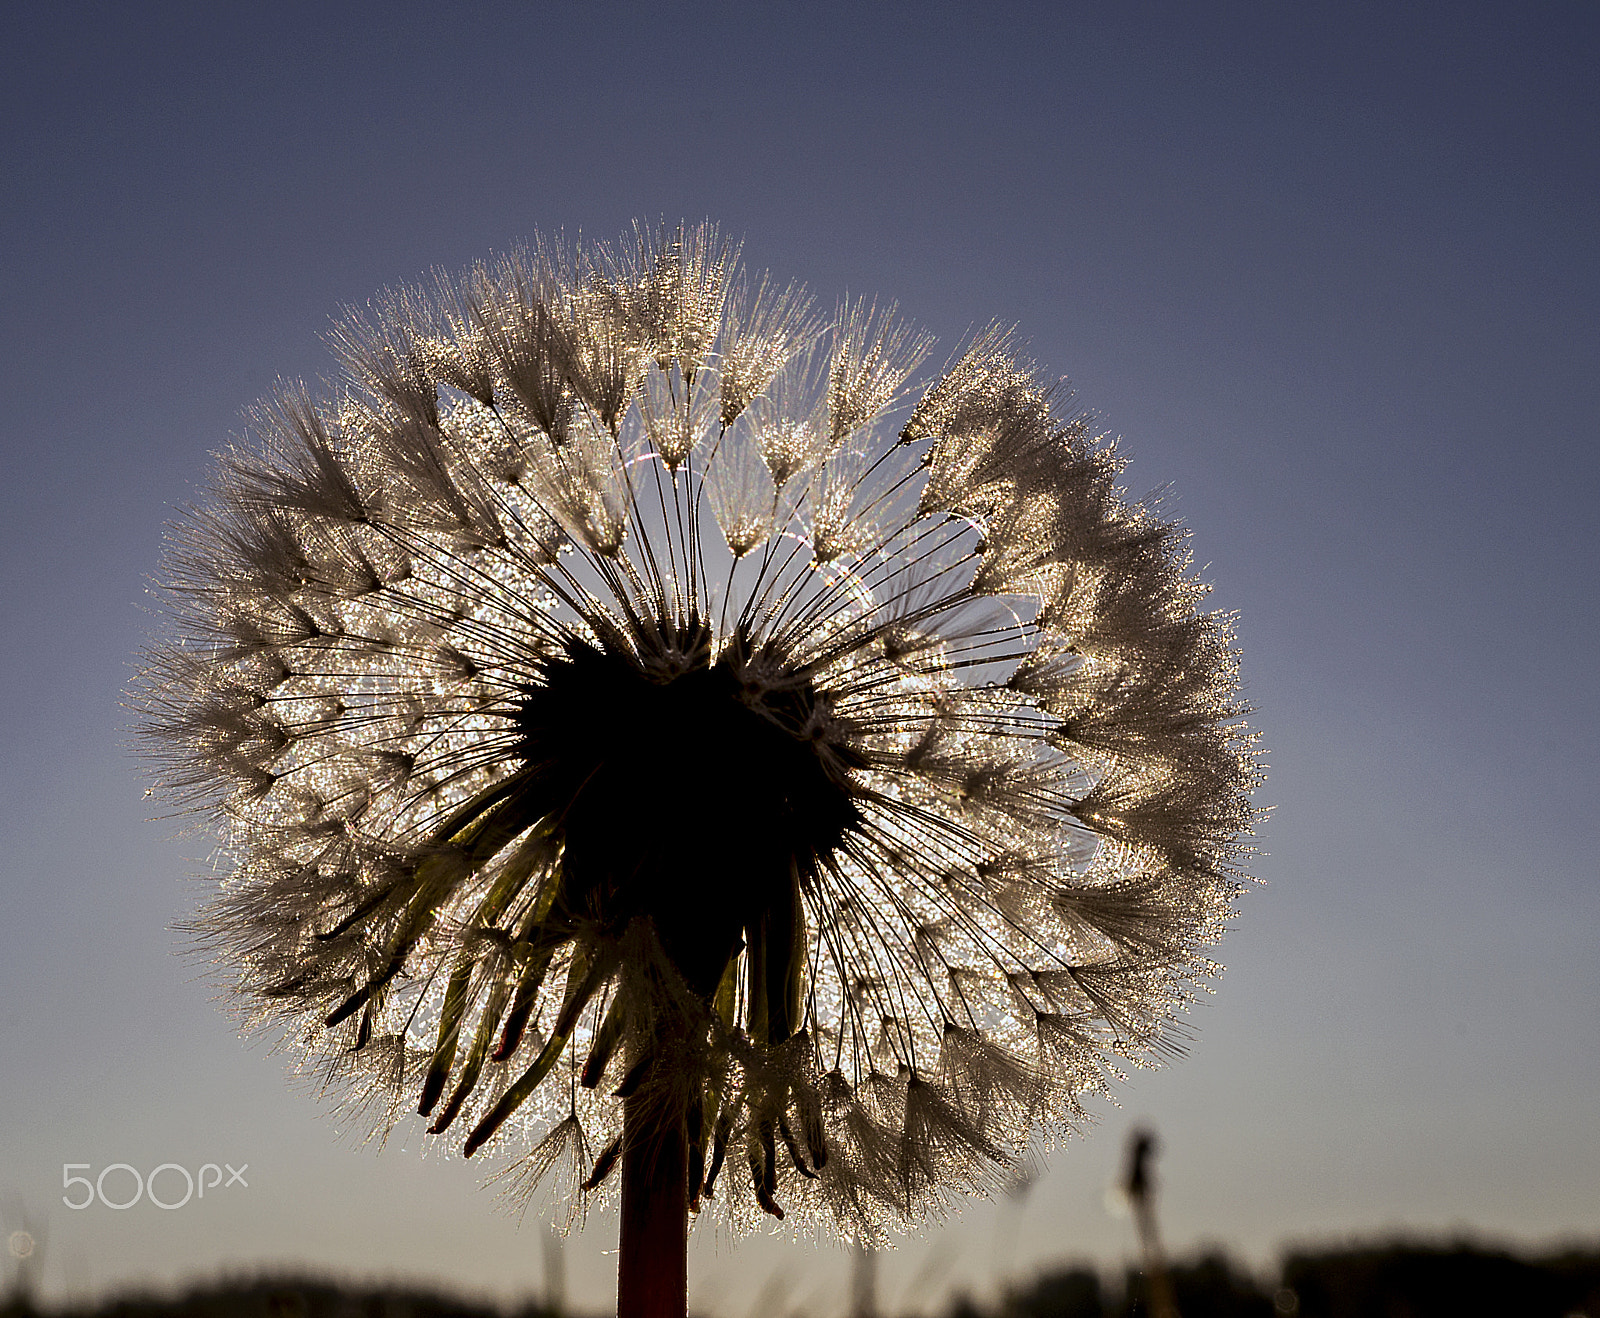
{"x": 652, "y": 1265}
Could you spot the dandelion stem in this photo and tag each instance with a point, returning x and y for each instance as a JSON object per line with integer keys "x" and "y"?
{"x": 652, "y": 1266}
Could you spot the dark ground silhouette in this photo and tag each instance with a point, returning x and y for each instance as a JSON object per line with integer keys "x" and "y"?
{"x": 283, "y": 1297}
{"x": 1384, "y": 1280}
{"x": 1393, "y": 1279}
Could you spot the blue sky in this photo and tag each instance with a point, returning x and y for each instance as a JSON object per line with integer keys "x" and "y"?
{"x": 1328, "y": 270}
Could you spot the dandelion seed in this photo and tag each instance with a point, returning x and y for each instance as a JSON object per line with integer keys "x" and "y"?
{"x": 635, "y": 720}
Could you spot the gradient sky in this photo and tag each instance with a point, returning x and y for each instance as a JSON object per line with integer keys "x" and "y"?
{"x": 1330, "y": 270}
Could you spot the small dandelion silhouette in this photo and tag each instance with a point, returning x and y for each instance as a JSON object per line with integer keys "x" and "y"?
{"x": 637, "y": 720}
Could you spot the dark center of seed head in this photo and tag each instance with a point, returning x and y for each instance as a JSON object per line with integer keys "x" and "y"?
{"x": 699, "y": 799}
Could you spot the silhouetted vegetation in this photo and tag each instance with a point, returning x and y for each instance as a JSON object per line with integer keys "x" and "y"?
{"x": 1211, "y": 1286}
{"x": 1389, "y": 1280}
{"x": 1421, "y": 1281}
{"x": 1393, "y": 1279}
{"x": 287, "y": 1298}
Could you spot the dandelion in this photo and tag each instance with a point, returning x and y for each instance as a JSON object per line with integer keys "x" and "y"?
{"x": 648, "y": 734}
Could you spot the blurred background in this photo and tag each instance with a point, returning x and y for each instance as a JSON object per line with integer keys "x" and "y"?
{"x": 1329, "y": 269}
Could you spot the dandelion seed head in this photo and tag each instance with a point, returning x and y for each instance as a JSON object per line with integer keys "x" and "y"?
{"x": 625, "y": 684}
